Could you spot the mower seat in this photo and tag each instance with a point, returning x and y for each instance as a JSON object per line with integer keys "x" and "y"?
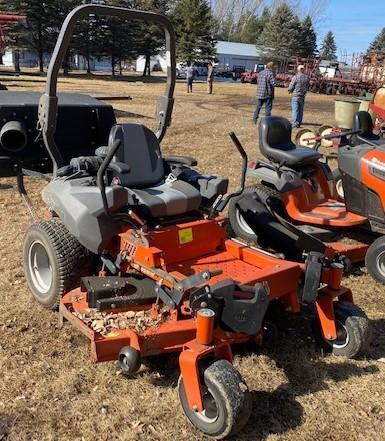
{"x": 363, "y": 122}
{"x": 276, "y": 145}
{"x": 146, "y": 182}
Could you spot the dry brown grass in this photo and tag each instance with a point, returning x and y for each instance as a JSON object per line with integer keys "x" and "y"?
{"x": 50, "y": 391}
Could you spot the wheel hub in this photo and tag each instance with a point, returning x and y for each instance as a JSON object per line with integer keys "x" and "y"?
{"x": 342, "y": 339}
{"x": 380, "y": 263}
{"x": 242, "y": 223}
{"x": 40, "y": 267}
{"x": 209, "y": 413}
{"x": 340, "y": 189}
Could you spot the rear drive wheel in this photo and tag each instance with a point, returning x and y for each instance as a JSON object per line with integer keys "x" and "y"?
{"x": 375, "y": 260}
{"x": 226, "y": 400}
{"x": 54, "y": 261}
{"x": 353, "y": 331}
{"x": 338, "y": 183}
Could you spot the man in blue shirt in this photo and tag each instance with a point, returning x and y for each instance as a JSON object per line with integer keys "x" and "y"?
{"x": 299, "y": 86}
{"x": 265, "y": 91}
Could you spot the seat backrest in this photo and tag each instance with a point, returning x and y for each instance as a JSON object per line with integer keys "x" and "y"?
{"x": 275, "y": 134}
{"x": 363, "y": 122}
{"x": 140, "y": 150}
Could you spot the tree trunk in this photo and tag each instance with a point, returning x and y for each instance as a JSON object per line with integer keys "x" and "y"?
{"x": 88, "y": 61}
{"x": 66, "y": 65}
{"x": 1, "y": 59}
{"x": 147, "y": 66}
{"x": 41, "y": 62}
{"x": 40, "y": 48}
{"x": 120, "y": 66}
{"x": 17, "y": 60}
{"x": 113, "y": 62}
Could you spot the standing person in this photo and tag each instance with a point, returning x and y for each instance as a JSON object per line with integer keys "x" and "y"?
{"x": 210, "y": 77}
{"x": 190, "y": 74}
{"x": 299, "y": 86}
{"x": 265, "y": 91}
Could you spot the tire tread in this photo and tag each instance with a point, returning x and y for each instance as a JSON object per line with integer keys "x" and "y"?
{"x": 72, "y": 258}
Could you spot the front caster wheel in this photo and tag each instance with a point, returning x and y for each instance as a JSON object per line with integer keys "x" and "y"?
{"x": 353, "y": 331}
{"x": 226, "y": 400}
{"x": 129, "y": 360}
{"x": 375, "y": 260}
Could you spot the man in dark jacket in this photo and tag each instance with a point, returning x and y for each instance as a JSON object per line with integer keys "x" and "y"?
{"x": 299, "y": 86}
{"x": 265, "y": 91}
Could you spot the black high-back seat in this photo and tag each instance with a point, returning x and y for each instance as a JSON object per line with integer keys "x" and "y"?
{"x": 276, "y": 145}
{"x": 146, "y": 179}
{"x": 155, "y": 192}
{"x": 363, "y": 122}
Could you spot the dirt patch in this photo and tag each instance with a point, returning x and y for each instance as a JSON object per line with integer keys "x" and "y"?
{"x": 50, "y": 391}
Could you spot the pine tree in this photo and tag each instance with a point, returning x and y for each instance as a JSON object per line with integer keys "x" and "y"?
{"x": 378, "y": 44}
{"x": 151, "y": 37}
{"x": 63, "y": 9}
{"x": 194, "y": 27}
{"x": 308, "y": 46}
{"x": 121, "y": 37}
{"x": 281, "y": 36}
{"x": 328, "y": 48}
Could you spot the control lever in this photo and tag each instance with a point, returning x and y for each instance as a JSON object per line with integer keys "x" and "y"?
{"x": 222, "y": 204}
{"x": 102, "y": 171}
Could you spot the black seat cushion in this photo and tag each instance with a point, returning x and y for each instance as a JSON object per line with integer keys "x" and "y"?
{"x": 166, "y": 199}
{"x": 363, "y": 122}
{"x": 275, "y": 143}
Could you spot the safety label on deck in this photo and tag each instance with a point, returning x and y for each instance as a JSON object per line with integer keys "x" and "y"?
{"x": 185, "y": 236}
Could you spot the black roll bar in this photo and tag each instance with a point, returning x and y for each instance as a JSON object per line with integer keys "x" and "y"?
{"x": 49, "y": 101}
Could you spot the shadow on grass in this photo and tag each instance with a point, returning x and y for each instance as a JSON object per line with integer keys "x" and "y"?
{"x": 122, "y": 78}
{"x": 377, "y": 348}
{"x": 5, "y": 187}
{"x": 7, "y": 423}
{"x": 124, "y": 114}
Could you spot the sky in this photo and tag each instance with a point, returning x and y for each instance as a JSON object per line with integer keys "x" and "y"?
{"x": 354, "y": 23}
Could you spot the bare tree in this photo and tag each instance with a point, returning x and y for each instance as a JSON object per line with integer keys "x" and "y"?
{"x": 234, "y": 11}
{"x": 317, "y": 9}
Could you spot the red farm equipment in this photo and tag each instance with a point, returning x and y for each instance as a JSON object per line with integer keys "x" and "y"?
{"x": 354, "y": 75}
{"x": 7, "y": 18}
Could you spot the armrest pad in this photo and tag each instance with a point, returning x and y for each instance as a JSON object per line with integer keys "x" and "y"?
{"x": 120, "y": 167}
{"x": 184, "y": 160}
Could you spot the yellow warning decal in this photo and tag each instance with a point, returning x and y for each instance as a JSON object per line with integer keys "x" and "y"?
{"x": 186, "y": 236}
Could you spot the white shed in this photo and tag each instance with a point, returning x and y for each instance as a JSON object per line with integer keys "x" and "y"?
{"x": 237, "y": 54}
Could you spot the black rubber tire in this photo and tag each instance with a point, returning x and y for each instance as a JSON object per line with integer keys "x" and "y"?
{"x": 234, "y": 215}
{"x": 231, "y": 397}
{"x": 68, "y": 261}
{"x": 373, "y": 259}
{"x": 353, "y": 327}
{"x": 338, "y": 183}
